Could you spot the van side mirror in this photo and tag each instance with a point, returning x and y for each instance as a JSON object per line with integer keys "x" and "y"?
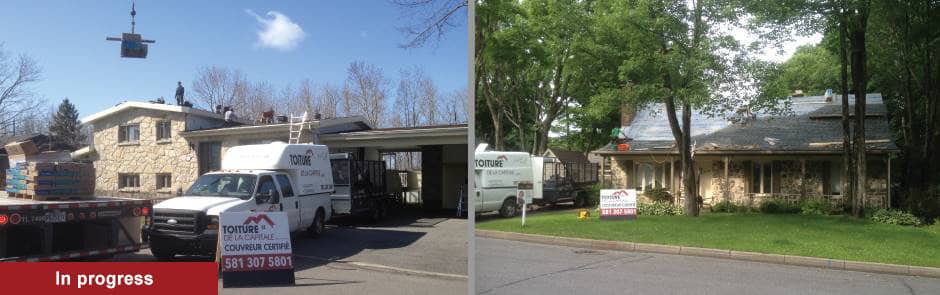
{"x": 262, "y": 197}
{"x": 274, "y": 196}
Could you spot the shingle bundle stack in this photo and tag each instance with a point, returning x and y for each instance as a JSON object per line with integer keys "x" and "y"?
{"x": 51, "y": 181}
{"x": 47, "y": 175}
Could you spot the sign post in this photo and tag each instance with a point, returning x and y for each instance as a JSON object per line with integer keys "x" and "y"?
{"x": 524, "y": 196}
{"x": 255, "y": 249}
{"x": 618, "y": 204}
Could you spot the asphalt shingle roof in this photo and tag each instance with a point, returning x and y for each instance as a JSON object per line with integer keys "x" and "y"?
{"x": 811, "y": 120}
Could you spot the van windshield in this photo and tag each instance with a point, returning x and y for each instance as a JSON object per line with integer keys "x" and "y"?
{"x": 223, "y": 185}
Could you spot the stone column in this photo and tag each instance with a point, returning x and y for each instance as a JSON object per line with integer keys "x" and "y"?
{"x": 802, "y": 178}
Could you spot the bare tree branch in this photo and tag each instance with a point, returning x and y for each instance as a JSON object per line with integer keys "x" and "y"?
{"x": 430, "y": 19}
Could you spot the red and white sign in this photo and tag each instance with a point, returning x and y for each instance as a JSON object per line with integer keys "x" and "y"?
{"x": 255, "y": 241}
{"x": 618, "y": 204}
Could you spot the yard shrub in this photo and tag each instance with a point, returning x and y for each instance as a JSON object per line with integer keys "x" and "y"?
{"x": 658, "y": 209}
{"x": 815, "y": 207}
{"x": 892, "y": 216}
{"x": 657, "y": 194}
{"x": 727, "y": 206}
{"x": 777, "y": 207}
{"x": 594, "y": 194}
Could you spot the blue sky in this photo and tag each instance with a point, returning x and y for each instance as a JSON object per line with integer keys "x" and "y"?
{"x": 67, "y": 39}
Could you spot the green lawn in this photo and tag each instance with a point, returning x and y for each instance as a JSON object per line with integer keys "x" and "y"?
{"x": 836, "y": 237}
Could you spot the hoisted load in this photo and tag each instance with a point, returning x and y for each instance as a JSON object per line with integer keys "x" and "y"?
{"x": 132, "y": 44}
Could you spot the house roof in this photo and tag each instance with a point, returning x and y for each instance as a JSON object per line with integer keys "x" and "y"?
{"x": 127, "y": 105}
{"x": 399, "y": 139}
{"x": 326, "y": 126}
{"x": 811, "y": 125}
{"x": 565, "y": 155}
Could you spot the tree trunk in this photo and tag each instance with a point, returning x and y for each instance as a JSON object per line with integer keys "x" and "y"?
{"x": 496, "y": 119}
{"x": 848, "y": 183}
{"x": 859, "y": 83}
{"x": 688, "y": 175}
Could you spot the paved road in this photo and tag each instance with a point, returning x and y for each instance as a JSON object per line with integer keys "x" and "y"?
{"x": 510, "y": 267}
{"x": 404, "y": 255}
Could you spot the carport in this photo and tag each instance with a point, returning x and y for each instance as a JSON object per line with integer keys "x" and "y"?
{"x": 443, "y": 156}
{"x": 443, "y": 149}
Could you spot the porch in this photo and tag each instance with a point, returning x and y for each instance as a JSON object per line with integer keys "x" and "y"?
{"x": 748, "y": 179}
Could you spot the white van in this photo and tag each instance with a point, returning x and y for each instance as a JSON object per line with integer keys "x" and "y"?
{"x": 293, "y": 178}
{"x": 496, "y": 176}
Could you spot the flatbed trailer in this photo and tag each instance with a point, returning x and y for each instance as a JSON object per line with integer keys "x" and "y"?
{"x": 32, "y": 230}
{"x": 567, "y": 182}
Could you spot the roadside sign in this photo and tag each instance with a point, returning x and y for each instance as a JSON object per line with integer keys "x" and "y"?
{"x": 618, "y": 204}
{"x": 524, "y": 195}
{"x": 255, "y": 249}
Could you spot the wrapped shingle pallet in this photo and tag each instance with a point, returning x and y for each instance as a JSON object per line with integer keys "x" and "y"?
{"x": 51, "y": 181}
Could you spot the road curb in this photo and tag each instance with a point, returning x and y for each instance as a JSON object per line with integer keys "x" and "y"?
{"x": 817, "y": 262}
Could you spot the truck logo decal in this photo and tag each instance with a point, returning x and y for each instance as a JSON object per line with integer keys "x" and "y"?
{"x": 304, "y": 160}
{"x": 258, "y": 219}
{"x": 498, "y": 163}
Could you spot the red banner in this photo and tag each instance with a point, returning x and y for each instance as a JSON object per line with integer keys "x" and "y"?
{"x": 138, "y": 278}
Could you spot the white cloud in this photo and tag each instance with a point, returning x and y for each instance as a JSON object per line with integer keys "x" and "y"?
{"x": 278, "y": 31}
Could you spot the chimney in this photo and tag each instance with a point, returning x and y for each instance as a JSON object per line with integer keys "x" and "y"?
{"x": 627, "y": 113}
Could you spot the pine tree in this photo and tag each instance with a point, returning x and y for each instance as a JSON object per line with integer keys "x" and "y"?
{"x": 65, "y": 129}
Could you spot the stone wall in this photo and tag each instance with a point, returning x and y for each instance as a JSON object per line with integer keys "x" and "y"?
{"x": 620, "y": 172}
{"x": 790, "y": 181}
{"x": 147, "y": 157}
{"x": 734, "y": 188}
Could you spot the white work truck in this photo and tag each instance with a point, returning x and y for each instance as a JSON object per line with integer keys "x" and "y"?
{"x": 293, "y": 178}
{"x": 497, "y": 175}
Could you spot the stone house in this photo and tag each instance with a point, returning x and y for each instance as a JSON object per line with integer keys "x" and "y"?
{"x": 149, "y": 150}
{"x": 144, "y": 149}
{"x": 750, "y": 157}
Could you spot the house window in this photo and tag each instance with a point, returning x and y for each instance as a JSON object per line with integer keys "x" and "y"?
{"x": 163, "y": 130}
{"x": 762, "y": 178}
{"x": 164, "y": 180}
{"x": 129, "y": 133}
{"x": 655, "y": 175}
{"x": 128, "y": 180}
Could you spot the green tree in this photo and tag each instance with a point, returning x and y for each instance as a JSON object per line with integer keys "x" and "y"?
{"x": 679, "y": 56}
{"x": 812, "y": 69}
{"x": 905, "y": 67}
{"x": 65, "y": 127}
{"x": 846, "y": 20}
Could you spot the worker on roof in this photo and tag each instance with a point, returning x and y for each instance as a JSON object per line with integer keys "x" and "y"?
{"x": 179, "y": 93}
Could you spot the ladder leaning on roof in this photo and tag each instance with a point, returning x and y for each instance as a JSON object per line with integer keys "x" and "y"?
{"x": 296, "y": 128}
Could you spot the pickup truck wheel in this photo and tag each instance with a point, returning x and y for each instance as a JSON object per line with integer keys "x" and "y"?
{"x": 316, "y": 229}
{"x": 508, "y": 209}
{"x": 161, "y": 253}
